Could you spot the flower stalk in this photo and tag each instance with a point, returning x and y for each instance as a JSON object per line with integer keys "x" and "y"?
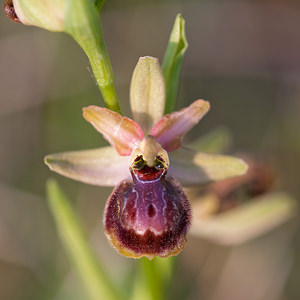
{"x": 83, "y": 24}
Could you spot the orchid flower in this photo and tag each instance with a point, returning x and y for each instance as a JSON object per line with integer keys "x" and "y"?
{"x": 148, "y": 213}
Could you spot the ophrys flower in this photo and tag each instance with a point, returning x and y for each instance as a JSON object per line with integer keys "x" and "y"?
{"x": 148, "y": 213}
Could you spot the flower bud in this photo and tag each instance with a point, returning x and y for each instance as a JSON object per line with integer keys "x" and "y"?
{"x": 42, "y": 13}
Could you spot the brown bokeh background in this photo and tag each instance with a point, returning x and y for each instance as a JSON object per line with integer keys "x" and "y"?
{"x": 243, "y": 56}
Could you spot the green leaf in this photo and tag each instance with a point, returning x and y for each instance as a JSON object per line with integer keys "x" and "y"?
{"x": 83, "y": 258}
{"x": 173, "y": 60}
{"x": 99, "y": 4}
{"x": 83, "y": 24}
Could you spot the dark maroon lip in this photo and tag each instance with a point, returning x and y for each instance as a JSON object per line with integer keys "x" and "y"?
{"x": 148, "y": 218}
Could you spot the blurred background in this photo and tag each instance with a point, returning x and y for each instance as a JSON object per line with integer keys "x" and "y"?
{"x": 243, "y": 56}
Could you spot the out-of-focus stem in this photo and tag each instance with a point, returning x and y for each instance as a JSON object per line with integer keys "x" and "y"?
{"x": 86, "y": 263}
{"x": 153, "y": 278}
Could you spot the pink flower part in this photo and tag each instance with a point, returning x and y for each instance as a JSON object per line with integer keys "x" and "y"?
{"x": 122, "y": 133}
{"x": 170, "y": 130}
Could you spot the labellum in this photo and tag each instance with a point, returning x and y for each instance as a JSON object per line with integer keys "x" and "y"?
{"x": 150, "y": 215}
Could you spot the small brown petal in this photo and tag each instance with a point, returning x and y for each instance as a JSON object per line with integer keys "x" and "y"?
{"x": 10, "y": 11}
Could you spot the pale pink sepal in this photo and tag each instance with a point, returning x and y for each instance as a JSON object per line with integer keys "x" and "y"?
{"x": 190, "y": 167}
{"x": 121, "y": 132}
{"x": 102, "y": 166}
{"x": 170, "y": 130}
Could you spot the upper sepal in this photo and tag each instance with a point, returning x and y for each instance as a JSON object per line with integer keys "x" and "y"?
{"x": 147, "y": 93}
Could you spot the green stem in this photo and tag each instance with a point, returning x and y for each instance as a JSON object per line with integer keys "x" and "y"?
{"x": 153, "y": 278}
{"x": 83, "y": 24}
{"x": 89, "y": 268}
